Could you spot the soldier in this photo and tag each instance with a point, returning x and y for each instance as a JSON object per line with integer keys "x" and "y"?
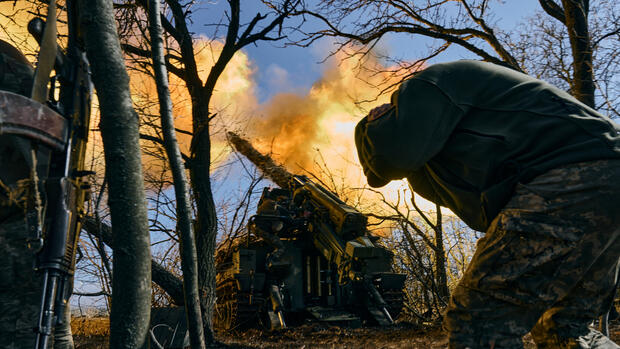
{"x": 535, "y": 169}
{"x": 20, "y": 285}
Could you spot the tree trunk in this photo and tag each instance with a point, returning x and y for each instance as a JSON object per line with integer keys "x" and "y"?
{"x": 131, "y": 283}
{"x": 184, "y": 221}
{"x": 205, "y": 228}
{"x": 441, "y": 276}
{"x": 206, "y": 223}
{"x": 576, "y": 21}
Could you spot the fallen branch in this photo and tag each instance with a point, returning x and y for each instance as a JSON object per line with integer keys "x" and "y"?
{"x": 169, "y": 282}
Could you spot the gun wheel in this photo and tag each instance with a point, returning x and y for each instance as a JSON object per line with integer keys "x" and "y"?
{"x": 236, "y": 309}
{"x": 394, "y": 300}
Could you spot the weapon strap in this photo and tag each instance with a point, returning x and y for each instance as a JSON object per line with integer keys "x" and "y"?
{"x": 34, "y": 209}
{"x": 47, "y": 56}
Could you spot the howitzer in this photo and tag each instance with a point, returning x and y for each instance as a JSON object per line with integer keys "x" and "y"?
{"x": 341, "y": 236}
{"x": 307, "y": 254}
{"x": 56, "y": 223}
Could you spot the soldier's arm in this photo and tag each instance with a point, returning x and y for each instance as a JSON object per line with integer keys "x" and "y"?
{"x": 404, "y": 137}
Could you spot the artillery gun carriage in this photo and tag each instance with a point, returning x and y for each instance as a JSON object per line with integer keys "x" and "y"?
{"x": 307, "y": 255}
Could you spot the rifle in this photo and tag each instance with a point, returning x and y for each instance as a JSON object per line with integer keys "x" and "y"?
{"x": 64, "y": 188}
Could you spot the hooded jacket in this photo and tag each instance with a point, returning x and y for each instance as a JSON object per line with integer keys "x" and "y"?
{"x": 16, "y": 73}
{"x": 465, "y": 133}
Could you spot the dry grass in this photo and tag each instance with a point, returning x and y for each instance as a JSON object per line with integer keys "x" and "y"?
{"x": 90, "y": 332}
{"x": 90, "y": 326}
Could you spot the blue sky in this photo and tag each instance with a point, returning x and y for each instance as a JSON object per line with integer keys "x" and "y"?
{"x": 301, "y": 67}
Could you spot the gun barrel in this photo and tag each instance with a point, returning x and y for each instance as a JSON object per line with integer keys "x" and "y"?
{"x": 268, "y": 167}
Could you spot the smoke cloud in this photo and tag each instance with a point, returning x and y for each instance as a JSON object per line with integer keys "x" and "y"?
{"x": 316, "y": 129}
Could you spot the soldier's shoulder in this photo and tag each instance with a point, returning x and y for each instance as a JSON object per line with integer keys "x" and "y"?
{"x": 14, "y": 76}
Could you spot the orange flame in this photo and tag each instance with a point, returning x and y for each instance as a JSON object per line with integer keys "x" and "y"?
{"x": 315, "y": 132}
{"x": 233, "y": 95}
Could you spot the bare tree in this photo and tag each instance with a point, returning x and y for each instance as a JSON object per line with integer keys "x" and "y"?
{"x": 543, "y": 48}
{"x": 189, "y": 262}
{"x": 238, "y": 35}
{"x": 235, "y": 210}
{"x": 422, "y": 241}
{"x": 415, "y": 258}
{"x": 131, "y": 289}
{"x": 471, "y": 25}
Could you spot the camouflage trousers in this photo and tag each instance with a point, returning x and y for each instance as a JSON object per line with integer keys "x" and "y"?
{"x": 20, "y": 292}
{"x": 547, "y": 264}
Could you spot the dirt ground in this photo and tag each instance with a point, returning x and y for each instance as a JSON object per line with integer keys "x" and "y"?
{"x": 313, "y": 336}
{"x": 317, "y": 336}
{"x": 398, "y": 336}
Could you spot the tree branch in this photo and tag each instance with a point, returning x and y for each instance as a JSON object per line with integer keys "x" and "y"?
{"x": 554, "y": 10}
{"x": 146, "y": 54}
{"x": 158, "y": 140}
{"x": 446, "y": 34}
{"x": 172, "y": 285}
